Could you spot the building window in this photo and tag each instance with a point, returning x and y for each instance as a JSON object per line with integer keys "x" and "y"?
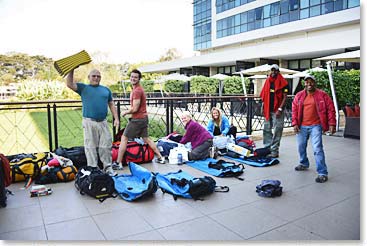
{"x": 293, "y": 64}
{"x": 280, "y": 12}
{"x": 202, "y": 24}
{"x": 304, "y": 64}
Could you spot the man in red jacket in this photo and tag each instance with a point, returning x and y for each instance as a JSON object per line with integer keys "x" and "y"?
{"x": 274, "y": 95}
{"x": 313, "y": 113}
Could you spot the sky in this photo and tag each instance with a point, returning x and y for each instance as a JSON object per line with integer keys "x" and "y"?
{"x": 118, "y": 30}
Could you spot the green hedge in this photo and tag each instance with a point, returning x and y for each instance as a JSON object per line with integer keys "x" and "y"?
{"x": 174, "y": 86}
{"x": 346, "y": 83}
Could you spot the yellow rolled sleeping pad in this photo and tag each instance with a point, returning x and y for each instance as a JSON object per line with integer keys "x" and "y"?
{"x": 65, "y": 65}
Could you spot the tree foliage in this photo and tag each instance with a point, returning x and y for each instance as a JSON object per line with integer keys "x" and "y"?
{"x": 170, "y": 55}
{"x": 346, "y": 83}
{"x": 174, "y": 86}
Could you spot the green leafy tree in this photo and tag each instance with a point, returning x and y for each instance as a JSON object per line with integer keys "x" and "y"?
{"x": 170, "y": 55}
{"x": 174, "y": 86}
{"x": 233, "y": 85}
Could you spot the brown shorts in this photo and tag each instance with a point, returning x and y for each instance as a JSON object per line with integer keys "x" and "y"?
{"x": 137, "y": 128}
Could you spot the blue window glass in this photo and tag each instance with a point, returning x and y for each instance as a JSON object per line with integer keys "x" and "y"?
{"x": 225, "y": 32}
{"x": 284, "y": 18}
{"x": 304, "y": 13}
{"x": 251, "y": 15}
{"x": 293, "y": 5}
{"x": 274, "y": 9}
{"x": 219, "y": 25}
{"x": 284, "y": 6}
{"x": 294, "y": 15}
{"x": 327, "y": 8}
{"x": 251, "y": 26}
{"x": 237, "y": 30}
{"x": 258, "y": 13}
{"x": 237, "y": 20}
{"x": 304, "y": 4}
{"x": 244, "y": 17}
{"x": 314, "y": 2}
{"x": 315, "y": 11}
{"x": 243, "y": 1}
{"x": 267, "y": 22}
{"x": 238, "y": 3}
{"x": 244, "y": 28}
{"x": 258, "y": 24}
{"x": 353, "y": 3}
{"x": 267, "y": 11}
{"x": 340, "y": 5}
{"x": 274, "y": 20}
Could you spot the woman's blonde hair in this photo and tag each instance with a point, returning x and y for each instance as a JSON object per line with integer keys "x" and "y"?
{"x": 218, "y": 122}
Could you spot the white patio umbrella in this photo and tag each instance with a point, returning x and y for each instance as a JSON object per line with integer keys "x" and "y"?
{"x": 172, "y": 76}
{"x": 353, "y": 56}
{"x": 265, "y": 69}
{"x": 220, "y": 77}
{"x": 308, "y": 71}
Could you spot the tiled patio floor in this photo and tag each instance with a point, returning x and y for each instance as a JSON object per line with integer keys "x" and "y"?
{"x": 306, "y": 211}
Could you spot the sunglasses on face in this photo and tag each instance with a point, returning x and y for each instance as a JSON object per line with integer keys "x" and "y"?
{"x": 96, "y": 76}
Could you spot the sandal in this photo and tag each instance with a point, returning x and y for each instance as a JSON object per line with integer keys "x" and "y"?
{"x": 321, "y": 179}
{"x": 300, "y": 168}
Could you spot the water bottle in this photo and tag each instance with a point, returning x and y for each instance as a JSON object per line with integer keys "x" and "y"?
{"x": 179, "y": 159}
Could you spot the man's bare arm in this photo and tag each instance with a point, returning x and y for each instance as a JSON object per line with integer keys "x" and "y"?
{"x": 70, "y": 81}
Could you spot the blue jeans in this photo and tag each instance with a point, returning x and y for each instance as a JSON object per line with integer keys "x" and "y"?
{"x": 315, "y": 132}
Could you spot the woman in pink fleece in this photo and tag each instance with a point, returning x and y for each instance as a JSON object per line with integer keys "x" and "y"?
{"x": 201, "y": 140}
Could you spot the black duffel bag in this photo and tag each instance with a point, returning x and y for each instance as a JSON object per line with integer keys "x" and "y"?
{"x": 75, "y": 154}
{"x": 95, "y": 183}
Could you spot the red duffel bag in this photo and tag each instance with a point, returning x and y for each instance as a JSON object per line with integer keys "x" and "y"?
{"x": 135, "y": 152}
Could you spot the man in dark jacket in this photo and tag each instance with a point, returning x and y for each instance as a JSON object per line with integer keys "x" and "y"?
{"x": 313, "y": 113}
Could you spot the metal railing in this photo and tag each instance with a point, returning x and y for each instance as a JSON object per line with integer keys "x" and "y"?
{"x": 27, "y": 127}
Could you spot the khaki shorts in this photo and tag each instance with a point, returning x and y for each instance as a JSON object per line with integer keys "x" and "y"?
{"x": 137, "y": 128}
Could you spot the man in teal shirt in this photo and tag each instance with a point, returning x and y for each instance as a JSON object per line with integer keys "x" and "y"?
{"x": 96, "y": 99}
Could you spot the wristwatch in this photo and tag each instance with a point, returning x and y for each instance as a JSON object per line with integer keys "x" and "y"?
{"x": 280, "y": 109}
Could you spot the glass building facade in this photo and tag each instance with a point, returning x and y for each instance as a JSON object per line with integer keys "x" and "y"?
{"x": 202, "y": 24}
{"x": 277, "y": 13}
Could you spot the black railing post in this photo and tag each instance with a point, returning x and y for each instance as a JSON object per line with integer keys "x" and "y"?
{"x": 49, "y": 126}
{"x": 55, "y": 126}
{"x": 171, "y": 117}
{"x": 167, "y": 117}
{"x": 249, "y": 115}
{"x": 118, "y": 115}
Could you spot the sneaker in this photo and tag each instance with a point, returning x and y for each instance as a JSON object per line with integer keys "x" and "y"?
{"x": 300, "y": 168}
{"x": 110, "y": 171}
{"x": 160, "y": 160}
{"x": 321, "y": 179}
{"x": 117, "y": 166}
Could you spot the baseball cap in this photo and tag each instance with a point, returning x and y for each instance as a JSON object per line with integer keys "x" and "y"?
{"x": 274, "y": 66}
{"x": 308, "y": 76}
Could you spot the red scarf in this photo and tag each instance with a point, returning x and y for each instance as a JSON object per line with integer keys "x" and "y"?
{"x": 279, "y": 84}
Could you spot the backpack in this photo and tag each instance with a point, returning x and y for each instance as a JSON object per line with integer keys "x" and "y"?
{"x": 138, "y": 153}
{"x": 269, "y": 188}
{"x": 182, "y": 184}
{"x": 95, "y": 183}
{"x": 140, "y": 183}
{"x": 26, "y": 166}
{"x": 245, "y": 142}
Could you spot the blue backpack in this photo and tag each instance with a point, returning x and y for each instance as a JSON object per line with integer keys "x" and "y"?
{"x": 182, "y": 184}
{"x": 269, "y": 188}
{"x": 140, "y": 183}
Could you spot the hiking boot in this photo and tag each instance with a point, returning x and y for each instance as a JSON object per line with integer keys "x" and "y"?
{"x": 300, "y": 168}
{"x": 160, "y": 160}
{"x": 321, "y": 179}
{"x": 110, "y": 171}
{"x": 117, "y": 166}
